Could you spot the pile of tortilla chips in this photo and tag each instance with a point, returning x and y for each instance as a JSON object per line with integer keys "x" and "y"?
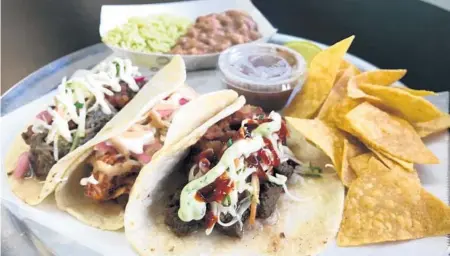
{"x": 372, "y": 131}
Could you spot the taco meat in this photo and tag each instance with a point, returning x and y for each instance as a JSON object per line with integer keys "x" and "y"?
{"x": 222, "y": 211}
{"x": 95, "y": 121}
{"x": 117, "y": 162}
{"x": 121, "y": 98}
{"x": 177, "y": 226}
{"x": 42, "y": 156}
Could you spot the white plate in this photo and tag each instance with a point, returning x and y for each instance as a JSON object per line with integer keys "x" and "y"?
{"x": 66, "y": 236}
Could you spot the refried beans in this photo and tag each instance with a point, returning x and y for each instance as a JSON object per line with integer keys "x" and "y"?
{"x": 217, "y": 31}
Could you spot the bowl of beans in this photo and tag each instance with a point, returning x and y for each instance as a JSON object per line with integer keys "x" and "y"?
{"x": 152, "y": 40}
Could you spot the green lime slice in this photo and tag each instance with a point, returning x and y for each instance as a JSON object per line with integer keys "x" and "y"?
{"x": 307, "y": 49}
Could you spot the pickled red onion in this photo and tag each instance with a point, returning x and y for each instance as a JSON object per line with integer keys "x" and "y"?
{"x": 139, "y": 79}
{"x": 165, "y": 112}
{"x": 22, "y": 165}
{"x": 103, "y": 147}
{"x": 45, "y": 116}
{"x": 183, "y": 101}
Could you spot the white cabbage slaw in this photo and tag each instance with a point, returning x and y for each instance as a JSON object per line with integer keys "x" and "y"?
{"x": 74, "y": 95}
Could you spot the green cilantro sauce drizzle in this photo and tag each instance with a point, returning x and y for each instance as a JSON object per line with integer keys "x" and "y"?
{"x": 192, "y": 209}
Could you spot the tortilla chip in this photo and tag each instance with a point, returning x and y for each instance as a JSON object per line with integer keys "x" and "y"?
{"x": 345, "y": 106}
{"x": 331, "y": 105}
{"x": 392, "y": 162}
{"x": 339, "y": 74}
{"x": 382, "y": 77}
{"x": 328, "y": 139}
{"x": 321, "y": 77}
{"x": 393, "y": 166}
{"x": 390, "y": 207}
{"x": 360, "y": 163}
{"x": 412, "y": 108}
{"x": 433, "y": 126}
{"x": 345, "y": 65}
{"x": 389, "y": 134}
{"x": 350, "y": 150}
{"x": 421, "y": 93}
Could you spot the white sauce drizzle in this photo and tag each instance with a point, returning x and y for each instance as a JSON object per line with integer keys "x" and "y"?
{"x": 90, "y": 179}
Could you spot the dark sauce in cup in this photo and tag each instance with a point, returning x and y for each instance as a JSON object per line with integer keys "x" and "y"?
{"x": 265, "y": 74}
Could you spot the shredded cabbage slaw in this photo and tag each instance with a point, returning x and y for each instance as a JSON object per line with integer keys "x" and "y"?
{"x": 74, "y": 93}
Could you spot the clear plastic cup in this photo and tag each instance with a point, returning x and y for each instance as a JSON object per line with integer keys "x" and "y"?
{"x": 266, "y": 74}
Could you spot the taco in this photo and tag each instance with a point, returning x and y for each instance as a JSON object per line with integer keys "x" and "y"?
{"x": 81, "y": 110}
{"x": 236, "y": 186}
{"x": 97, "y": 184}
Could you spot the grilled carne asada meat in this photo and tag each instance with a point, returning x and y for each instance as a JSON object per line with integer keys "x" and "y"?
{"x": 42, "y": 158}
{"x": 207, "y": 153}
{"x": 179, "y": 227}
{"x": 119, "y": 99}
{"x": 84, "y": 103}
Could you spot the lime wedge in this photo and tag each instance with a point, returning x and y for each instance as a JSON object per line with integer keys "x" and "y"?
{"x": 307, "y": 49}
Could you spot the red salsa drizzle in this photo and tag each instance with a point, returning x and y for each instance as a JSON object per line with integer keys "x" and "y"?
{"x": 216, "y": 191}
{"x": 208, "y": 154}
{"x": 254, "y": 160}
{"x": 276, "y": 159}
{"x": 210, "y": 219}
{"x": 283, "y": 132}
{"x": 221, "y": 187}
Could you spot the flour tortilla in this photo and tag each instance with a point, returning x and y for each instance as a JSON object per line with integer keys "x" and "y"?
{"x": 302, "y": 228}
{"x": 109, "y": 215}
{"x": 34, "y": 191}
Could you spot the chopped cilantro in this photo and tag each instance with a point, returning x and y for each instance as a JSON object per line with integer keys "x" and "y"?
{"x": 226, "y": 201}
{"x": 117, "y": 68}
{"x": 76, "y": 141}
{"x": 229, "y": 142}
{"x": 261, "y": 116}
{"x": 78, "y": 105}
{"x": 312, "y": 171}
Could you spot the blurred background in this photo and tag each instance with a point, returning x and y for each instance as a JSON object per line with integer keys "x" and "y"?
{"x": 411, "y": 34}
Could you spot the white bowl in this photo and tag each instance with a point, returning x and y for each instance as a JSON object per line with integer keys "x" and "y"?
{"x": 112, "y": 16}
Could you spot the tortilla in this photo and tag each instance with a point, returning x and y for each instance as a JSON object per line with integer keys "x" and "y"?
{"x": 34, "y": 191}
{"x": 108, "y": 215}
{"x": 321, "y": 76}
{"x": 297, "y": 232}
